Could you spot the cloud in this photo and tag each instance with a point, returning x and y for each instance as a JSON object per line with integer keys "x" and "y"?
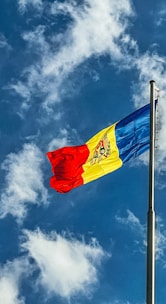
{"x": 86, "y": 38}
{"x": 152, "y": 66}
{"x": 67, "y": 266}
{"x": 24, "y": 4}
{"x": 10, "y": 276}
{"x": 62, "y": 140}
{"x": 140, "y": 230}
{"x": 160, "y": 241}
{"x": 3, "y": 42}
{"x": 24, "y": 182}
{"x": 5, "y": 51}
{"x": 132, "y": 222}
{"x": 160, "y": 17}
{"x": 64, "y": 137}
{"x": 23, "y": 91}
{"x": 59, "y": 55}
{"x": 32, "y": 82}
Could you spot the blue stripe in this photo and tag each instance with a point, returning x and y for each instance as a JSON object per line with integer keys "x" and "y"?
{"x": 133, "y": 134}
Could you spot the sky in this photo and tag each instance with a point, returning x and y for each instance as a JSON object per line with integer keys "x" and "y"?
{"x": 69, "y": 69}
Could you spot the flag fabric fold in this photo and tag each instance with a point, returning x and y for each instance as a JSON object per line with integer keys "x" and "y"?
{"x": 105, "y": 152}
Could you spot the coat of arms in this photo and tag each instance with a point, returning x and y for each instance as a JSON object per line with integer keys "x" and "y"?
{"x": 102, "y": 150}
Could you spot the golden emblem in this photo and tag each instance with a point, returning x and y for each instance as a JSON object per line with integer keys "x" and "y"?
{"x": 102, "y": 150}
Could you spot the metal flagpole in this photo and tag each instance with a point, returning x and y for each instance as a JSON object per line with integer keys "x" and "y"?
{"x": 150, "y": 288}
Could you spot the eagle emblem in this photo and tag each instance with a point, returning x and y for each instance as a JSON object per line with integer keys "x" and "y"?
{"x": 102, "y": 150}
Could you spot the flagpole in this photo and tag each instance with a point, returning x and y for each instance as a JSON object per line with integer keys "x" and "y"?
{"x": 150, "y": 288}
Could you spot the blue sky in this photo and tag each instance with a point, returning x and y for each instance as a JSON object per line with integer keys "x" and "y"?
{"x": 69, "y": 69}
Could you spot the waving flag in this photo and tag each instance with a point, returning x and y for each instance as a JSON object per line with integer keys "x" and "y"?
{"x": 105, "y": 152}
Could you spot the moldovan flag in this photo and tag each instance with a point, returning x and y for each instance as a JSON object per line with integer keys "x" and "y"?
{"x": 105, "y": 152}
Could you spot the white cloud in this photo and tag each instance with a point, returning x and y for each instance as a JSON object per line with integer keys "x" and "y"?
{"x": 64, "y": 137}
{"x": 160, "y": 241}
{"x": 24, "y": 4}
{"x": 10, "y": 276}
{"x": 160, "y": 18}
{"x": 57, "y": 143}
{"x": 24, "y": 182}
{"x": 59, "y": 55}
{"x": 3, "y": 42}
{"x": 152, "y": 66}
{"x": 34, "y": 82}
{"x": 62, "y": 140}
{"x": 67, "y": 266}
{"x": 132, "y": 222}
{"x": 23, "y": 91}
{"x": 134, "y": 225}
{"x": 86, "y": 38}
{"x": 8, "y": 291}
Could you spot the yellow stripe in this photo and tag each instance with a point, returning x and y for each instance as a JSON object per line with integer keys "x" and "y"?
{"x": 104, "y": 155}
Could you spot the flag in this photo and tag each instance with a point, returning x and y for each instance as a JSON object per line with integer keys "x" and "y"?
{"x": 105, "y": 152}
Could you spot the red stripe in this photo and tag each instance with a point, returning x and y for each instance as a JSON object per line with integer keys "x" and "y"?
{"x": 67, "y": 168}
